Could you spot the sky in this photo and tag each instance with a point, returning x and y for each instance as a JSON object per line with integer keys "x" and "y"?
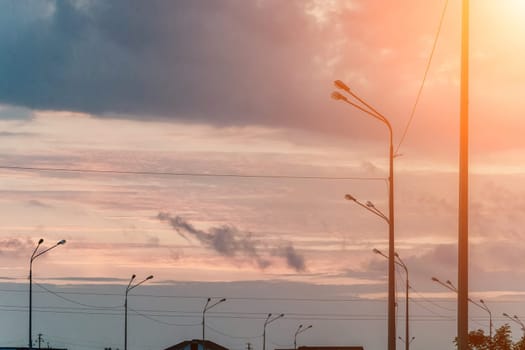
{"x": 197, "y": 141}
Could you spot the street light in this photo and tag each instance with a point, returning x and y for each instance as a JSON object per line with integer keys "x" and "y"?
{"x": 33, "y": 257}
{"x": 206, "y": 308}
{"x": 517, "y": 320}
{"x": 482, "y": 305}
{"x": 128, "y": 288}
{"x": 403, "y": 340}
{"x": 407, "y": 287}
{"x": 366, "y": 108}
{"x": 300, "y": 330}
{"x": 269, "y": 320}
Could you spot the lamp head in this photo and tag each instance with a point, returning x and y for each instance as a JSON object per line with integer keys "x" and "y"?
{"x": 506, "y": 314}
{"x": 349, "y": 197}
{"x": 482, "y": 301}
{"x": 40, "y": 241}
{"x": 149, "y": 277}
{"x": 448, "y": 282}
{"x": 281, "y": 315}
{"x": 435, "y": 279}
{"x": 338, "y": 96}
{"x": 396, "y": 255}
{"x": 133, "y": 276}
{"x": 370, "y": 204}
{"x": 310, "y": 326}
{"x": 377, "y": 251}
{"x": 222, "y": 300}
{"x": 340, "y": 85}
{"x": 62, "y": 241}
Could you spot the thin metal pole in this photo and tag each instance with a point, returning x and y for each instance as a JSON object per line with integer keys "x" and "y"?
{"x": 391, "y": 252}
{"x": 30, "y": 346}
{"x": 264, "y": 337}
{"x": 463, "y": 185}
{"x": 126, "y": 321}
{"x": 407, "y": 332}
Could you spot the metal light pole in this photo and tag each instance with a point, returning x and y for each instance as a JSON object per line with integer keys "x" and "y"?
{"x": 33, "y": 257}
{"x": 407, "y": 287}
{"x": 482, "y": 305}
{"x": 206, "y": 308}
{"x": 269, "y": 320}
{"x": 300, "y": 330}
{"x": 128, "y": 288}
{"x": 517, "y": 320}
{"x": 366, "y": 108}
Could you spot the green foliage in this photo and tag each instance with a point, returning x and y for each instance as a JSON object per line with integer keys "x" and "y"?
{"x": 501, "y": 340}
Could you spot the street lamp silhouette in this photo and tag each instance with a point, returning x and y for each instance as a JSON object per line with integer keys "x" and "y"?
{"x": 516, "y": 320}
{"x": 128, "y": 289}
{"x": 300, "y": 330}
{"x": 368, "y": 109}
{"x": 482, "y": 305}
{"x": 403, "y": 340}
{"x": 206, "y": 308}
{"x": 401, "y": 263}
{"x": 269, "y": 320}
{"x": 33, "y": 257}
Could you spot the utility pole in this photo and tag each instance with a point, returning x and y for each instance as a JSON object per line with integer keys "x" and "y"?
{"x": 463, "y": 184}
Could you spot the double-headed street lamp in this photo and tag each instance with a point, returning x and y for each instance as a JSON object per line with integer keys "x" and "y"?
{"x": 366, "y": 108}
{"x": 403, "y": 340}
{"x": 206, "y": 308}
{"x": 33, "y": 257}
{"x": 482, "y": 305}
{"x": 401, "y": 263}
{"x": 269, "y": 319}
{"x": 128, "y": 288}
{"x": 516, "y": 320}
{"x": 299, "y": 330}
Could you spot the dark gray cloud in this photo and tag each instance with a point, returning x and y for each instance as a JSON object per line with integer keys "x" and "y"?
{"x": 293, "y": 259}
{"x": 230, "y": 242}
{"x": 222, "y": 62}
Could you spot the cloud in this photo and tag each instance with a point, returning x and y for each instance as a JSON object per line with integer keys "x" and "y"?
{"x": 292, "y": 258}
{"x": 228, "y": 241}
{"x": 14, "y": 247}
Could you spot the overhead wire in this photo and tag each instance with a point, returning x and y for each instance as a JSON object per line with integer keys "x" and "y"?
{"x": 188, "y": 174}
{"x": 418, "y": 96}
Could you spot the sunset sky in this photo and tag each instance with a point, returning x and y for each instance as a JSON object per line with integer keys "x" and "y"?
{"x": 206, "y": 151}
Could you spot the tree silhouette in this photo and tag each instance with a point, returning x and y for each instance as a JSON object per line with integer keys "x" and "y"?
{"x": 501, "y": 340}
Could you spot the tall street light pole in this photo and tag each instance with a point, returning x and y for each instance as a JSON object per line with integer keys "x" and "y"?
{"x": 401, "y": 263}
{"x": 482, "y": 305}
{"x": 128, "y": 289}
{"x": 366, "y": 108}
{"x": 299, "y": 330}
{"x": 33, "y": 257}
{"x": 269, "y": 319}
{"x": 206, "y": 308}
{"x": 516, "y": 320}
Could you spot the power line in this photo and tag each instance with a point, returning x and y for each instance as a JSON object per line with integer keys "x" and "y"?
{"x": 188, "y": 174}
{"x": 424, "y": 78}
{"x": 76, "y": 302}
